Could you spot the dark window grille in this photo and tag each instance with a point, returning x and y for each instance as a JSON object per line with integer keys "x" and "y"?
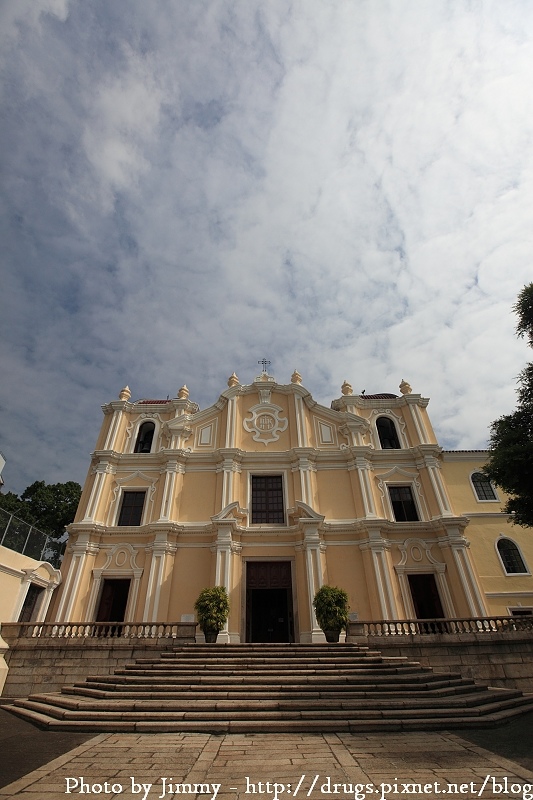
{"x": 403, "y": 504}
{"x": 483, "y": 487}
{"x": 388, "y": 438}
{"x": 132, "y": 508}
{"x": 267, "y": 499}
{"x": 145, "y": 438}
{"x": 510, "y": 555}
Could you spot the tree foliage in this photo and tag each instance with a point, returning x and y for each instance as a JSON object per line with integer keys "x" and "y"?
{"x": 510, "y": 462}
{"x": 50, "y": 507}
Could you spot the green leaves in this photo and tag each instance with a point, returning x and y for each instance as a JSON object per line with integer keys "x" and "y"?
{"x": 331, "y": 608}
{"x": 212, "y": 608}
{"x": 510, "y": 462}
{"x": 50, "y": 507}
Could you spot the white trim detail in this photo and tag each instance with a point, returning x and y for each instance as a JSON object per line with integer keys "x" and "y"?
{"x": 265, "y": 424}
{"x": 124, "y": 484}
{"x": 399, "y": 425}
{"x": 495, "y": 499}
{"x": 524, "y": 562}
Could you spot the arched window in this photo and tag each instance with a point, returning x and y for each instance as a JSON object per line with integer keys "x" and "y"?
{"x": 388, "y": 438}
{"x": 510, "y": 555}
{"x": 144, "y": 438}
{"x": 483, "y": 487}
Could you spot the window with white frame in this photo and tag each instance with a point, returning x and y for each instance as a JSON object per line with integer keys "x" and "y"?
{"x": 131, "y": 510}
{"x": 511, "y": 557}
{"x": 388, "y": 436}
{"x": 483, "y": 487}
{"x": 267, "y": 500}
{"x": 403, "y": 504}
{"x": 145, "y": 437}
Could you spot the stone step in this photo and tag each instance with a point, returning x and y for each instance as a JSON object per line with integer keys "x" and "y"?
{"x": 240, "y": 689}
{"x": 259, "y": 680}
{"x": 437, "y": 689}
{"x": 254, "y": 669}
{"x": 256, "y": 689}
{"x": 265, "y": 663}
{"x": 289, "y": 704}
{"x": 446, "y": 716}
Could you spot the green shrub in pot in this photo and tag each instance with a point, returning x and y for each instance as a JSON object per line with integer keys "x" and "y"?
{"x": 331, "y": 609}
{"x": 212, "y": 609}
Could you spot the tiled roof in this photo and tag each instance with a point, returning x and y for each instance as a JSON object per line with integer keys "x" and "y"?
{"x": 378, "y": 396}
{"x": 151, "y": 402}
{"x": 466, "y": 451}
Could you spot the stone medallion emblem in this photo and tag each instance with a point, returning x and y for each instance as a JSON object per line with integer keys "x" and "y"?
{"x": 265, "y": 424}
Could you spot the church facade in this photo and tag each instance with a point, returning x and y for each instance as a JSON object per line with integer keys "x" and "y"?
{"x": 272, "y": 495}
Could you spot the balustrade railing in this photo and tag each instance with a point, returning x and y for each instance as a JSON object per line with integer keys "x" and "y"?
{"x": 100, "y": 630}
{"x": 425, "y": 627}
{"x": 186, "y": 630}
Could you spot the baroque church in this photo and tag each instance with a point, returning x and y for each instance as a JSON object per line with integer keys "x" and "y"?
{"x": 273, "y": 495}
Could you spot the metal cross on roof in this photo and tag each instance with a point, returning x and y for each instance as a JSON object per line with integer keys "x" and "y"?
{"x": 264, "y": 364}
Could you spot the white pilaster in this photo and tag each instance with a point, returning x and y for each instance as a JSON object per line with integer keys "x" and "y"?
{"x": 313, "y": 548}
{"x": 363, "y": 471}
{"x": 172, "y": 469}
{"x": 101, "y": 470}
{"x": 160, "y": 549}
{"x": 81, "y": 550}
{"x": 224, "y": 549}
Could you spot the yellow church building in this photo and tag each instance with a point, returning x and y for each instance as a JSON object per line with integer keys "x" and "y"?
{"x": 273, "y": 495}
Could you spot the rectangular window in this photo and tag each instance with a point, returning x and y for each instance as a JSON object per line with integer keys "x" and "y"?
{"x": 31, "y": 603}
{"x": 131, "y": 511}
{"x": 403, "y": 504}
{"x": 267, "y": 499}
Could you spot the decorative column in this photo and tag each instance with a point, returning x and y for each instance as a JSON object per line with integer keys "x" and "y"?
{"x": 172, "y": 469}
{"x": 159, "y": 569}
{"x": 81, "y": 550}
{"x": 364, "y": 468}
{"x": 379, "y": 549}
{"x": 313, "y": 550}
{"x": 118, "y": 409}
{"x": 230, "y": 465}
{"x": 305, "y": 466}
{"x": 102, "y": 469}
{"x": 224, "y": 549}
{"x": 432, "y": 465}
{"x": 459, "y": 547}
{"x": 414, "y": 401}
{"x": 301, "y": 428}
{"x": 231, "y": 422}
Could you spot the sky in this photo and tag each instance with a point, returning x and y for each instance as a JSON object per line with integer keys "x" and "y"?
{"x": 343, "y": 187}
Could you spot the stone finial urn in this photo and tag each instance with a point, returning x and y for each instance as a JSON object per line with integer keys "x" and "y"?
{"x": 125, "y": 394}
{"x": 346, "y": 388}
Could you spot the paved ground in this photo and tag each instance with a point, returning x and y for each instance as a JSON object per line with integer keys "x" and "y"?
{"x": 269, "y": 766}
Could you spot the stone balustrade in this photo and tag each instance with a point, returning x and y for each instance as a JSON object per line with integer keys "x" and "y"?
{"x": 179, "y": 631}
{"x": 425, "y": 627}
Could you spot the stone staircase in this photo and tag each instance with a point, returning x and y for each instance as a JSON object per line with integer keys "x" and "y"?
{"x": 228, "y": 688}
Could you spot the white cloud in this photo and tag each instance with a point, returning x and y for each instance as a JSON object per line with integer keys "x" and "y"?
{"x": 344, "y": 188}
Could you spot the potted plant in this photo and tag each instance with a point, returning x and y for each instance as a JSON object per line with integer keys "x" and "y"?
{"x": 331, "y": 609}
{"x": 212, "y": 609}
